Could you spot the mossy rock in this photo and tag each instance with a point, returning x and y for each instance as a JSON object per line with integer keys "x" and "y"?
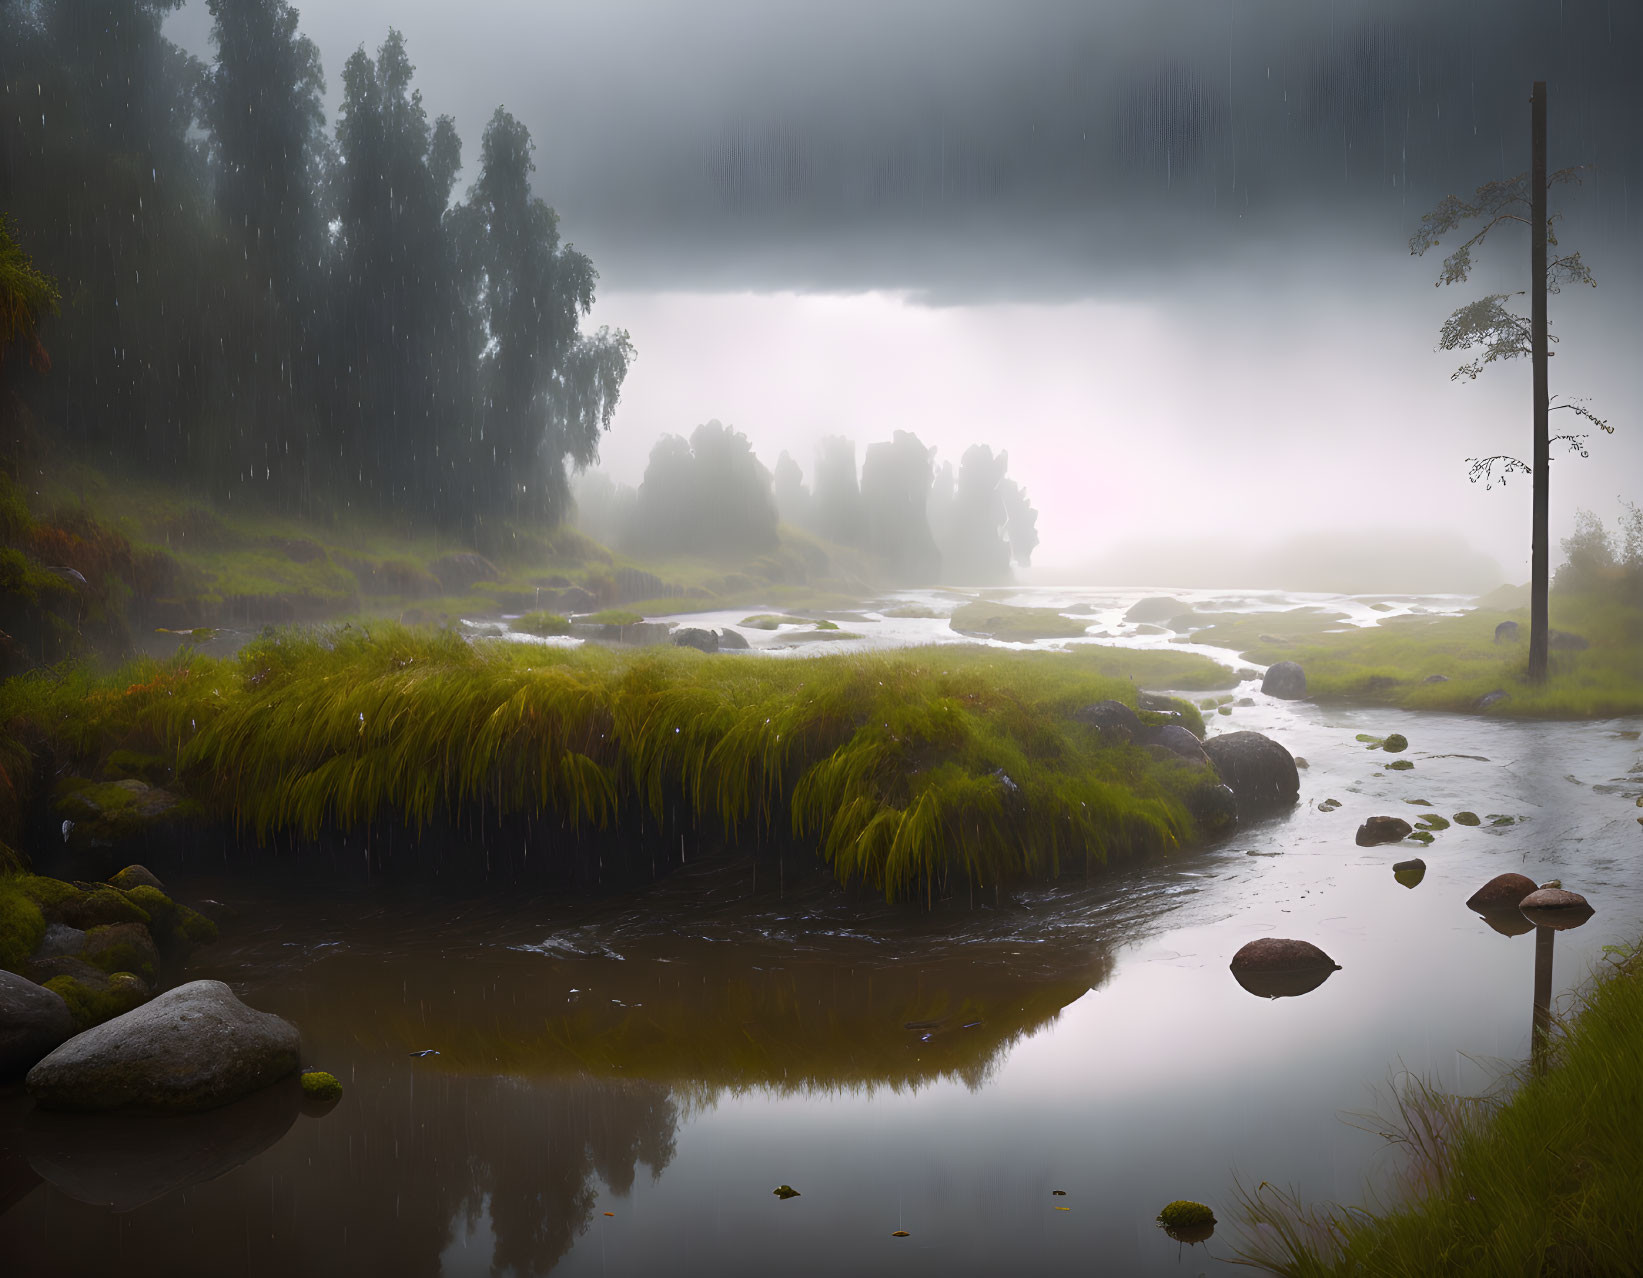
{"x": 1399, "y": 765}
{"x": 98, "y": 908}
{"x": 150, "y": 768}
{"x": 90, "y": 1003}
{"x": 104, "y": 813}
{"x": 134, "y": 876}
{"x": 174, "y": 927}
{"x": 22, "y": 924}
{"x": 47, "y": 893}
{"x": 1432, "y": 821}
{"x": 1183, "y": 1213}
{"x": 318, "y": 1087}
{"x": 772, "y": 620}
{"x": 1395, "y": 744}
{"x": 121, "y": 947}
{"x": 1467, "y": 818}
{"x": 1419, "y": 836}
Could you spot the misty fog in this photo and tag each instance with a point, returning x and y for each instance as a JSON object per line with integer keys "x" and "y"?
{"x": 1141, "y": 246}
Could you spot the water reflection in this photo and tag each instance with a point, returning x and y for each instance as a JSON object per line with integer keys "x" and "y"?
{"x": 123, "y": 1161}
{"x": 559, "y": 1077}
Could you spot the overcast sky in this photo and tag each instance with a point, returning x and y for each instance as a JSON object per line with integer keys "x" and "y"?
{"x": 1157, "y": 249}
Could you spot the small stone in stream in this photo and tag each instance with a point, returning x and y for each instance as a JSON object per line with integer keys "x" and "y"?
{"x": 1395, "y": 743}
{"x": 1432, "y": 821}
{"x": 1399, "y": 765}
{"x": 1280, "y": 954}
{"x": 1501, "y": 892}
{"x": 1549, "y": 898}
{"x": 1382, "y": 829}
{"x": 785, "y": 1192}
{"x": 1409, "y": 873}
{"x": 1421, "y": 836}
{"x": 317, "y": 1085}
{"x": 1329, "y": 805}
{"x": 1467, "y": 818}
{"x": 1551, "y": 883}
{"x": 1301, "y": 763}
{"x": 1489, "y": 699}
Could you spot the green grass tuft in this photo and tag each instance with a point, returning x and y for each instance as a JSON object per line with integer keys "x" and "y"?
{"x": 541, "y": 623}
{"x": 1547, "y": 1181}
{"x": 912, "y": 772}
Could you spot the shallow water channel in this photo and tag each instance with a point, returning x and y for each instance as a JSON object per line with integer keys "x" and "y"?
{"x": 620, "y": 1083}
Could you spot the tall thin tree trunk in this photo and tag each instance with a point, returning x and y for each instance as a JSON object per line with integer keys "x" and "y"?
{"x": 1539, "y": 554}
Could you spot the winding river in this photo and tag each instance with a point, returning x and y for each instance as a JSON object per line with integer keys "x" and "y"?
{"x": 614, "y": 1085}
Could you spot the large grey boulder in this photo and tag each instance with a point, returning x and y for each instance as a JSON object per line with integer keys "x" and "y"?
{"x": 695, "y": 637}
{"x": 1286, "y": 679}
{"x": 732, "y": 640}
{"x": 33, "y": 1020}
{"x": 193, "y": 1048}
{"x": 1178, "y": 740}
{"x": 1260, "y": 773}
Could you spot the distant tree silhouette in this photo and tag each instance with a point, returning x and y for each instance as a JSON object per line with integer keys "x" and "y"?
{"x": 895, "y": 492}
{"x": 836, "y": 493}
{"x": 710, "y": 495}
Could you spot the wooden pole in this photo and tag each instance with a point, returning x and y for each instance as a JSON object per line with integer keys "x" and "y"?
{"x": 1539, "y": 550}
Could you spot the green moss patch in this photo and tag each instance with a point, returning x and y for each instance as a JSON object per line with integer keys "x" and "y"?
{"x": 317, "y": 1085}
{"x": 1016, "y": 625}
{"x": 91, "y": 1004}
{"x": 1185, "y": 1214}
{"x": 21, "y": 924}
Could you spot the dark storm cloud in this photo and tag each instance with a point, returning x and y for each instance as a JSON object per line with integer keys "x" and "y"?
{"x": 1036, "y": 149}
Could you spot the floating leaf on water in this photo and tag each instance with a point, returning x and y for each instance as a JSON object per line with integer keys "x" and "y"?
{"x": 610, "y": 1213}
{"x": 1059, "y": 1193}
{"x": 900, "y": 1233}
{"x": 1061, "y": 1209}
{"x": 785, "y": 1191}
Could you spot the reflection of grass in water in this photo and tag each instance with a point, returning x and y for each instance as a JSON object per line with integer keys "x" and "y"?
{"x": 1547, "y": 1182}
{"x": 913, "y": 771}
{"x": 816, "y": 1028}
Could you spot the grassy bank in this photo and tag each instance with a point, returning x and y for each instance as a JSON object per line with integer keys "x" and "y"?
{"x": 1545, "y": 1183}
{"x": 913, "y": 772}
{"x": 1390, "y": 663}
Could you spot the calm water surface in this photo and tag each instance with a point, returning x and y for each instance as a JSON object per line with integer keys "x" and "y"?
{"x": 619, "y": 1084}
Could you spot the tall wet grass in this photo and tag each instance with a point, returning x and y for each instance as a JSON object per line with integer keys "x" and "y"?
{"x": 913, "y": 773}
{"x": 1388, "y": 664}
{"x": 1547, "y": 1182}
